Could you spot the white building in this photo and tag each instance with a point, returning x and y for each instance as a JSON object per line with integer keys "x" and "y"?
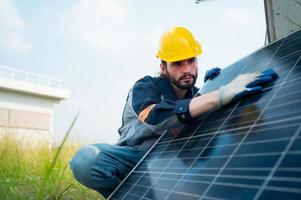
{"x": 26, "y": 105}
{"x": 282, "y": 18}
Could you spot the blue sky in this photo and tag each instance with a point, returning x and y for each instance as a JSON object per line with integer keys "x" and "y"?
{"x": 101, "y": 47}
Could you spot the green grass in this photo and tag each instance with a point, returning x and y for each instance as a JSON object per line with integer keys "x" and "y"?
{"x": 39, "y": 173}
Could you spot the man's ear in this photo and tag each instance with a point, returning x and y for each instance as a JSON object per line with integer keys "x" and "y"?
{"x": 162, "y": 68}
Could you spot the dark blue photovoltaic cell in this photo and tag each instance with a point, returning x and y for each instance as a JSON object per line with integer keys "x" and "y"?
{"x": 247, "y": 150}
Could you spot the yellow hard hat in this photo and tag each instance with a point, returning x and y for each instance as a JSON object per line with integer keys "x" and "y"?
{"x": 178, "y": 44}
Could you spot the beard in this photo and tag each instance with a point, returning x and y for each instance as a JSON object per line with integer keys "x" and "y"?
{"x": 178, "y": 82}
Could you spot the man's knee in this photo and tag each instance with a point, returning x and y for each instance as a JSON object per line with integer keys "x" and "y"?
{"x": 81, "y": 164}
{"x": 101, "y": 166}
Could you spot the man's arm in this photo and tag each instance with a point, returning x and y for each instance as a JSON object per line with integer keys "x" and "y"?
{"x": 203, "y": 103}
{"x": 242, "y": 86}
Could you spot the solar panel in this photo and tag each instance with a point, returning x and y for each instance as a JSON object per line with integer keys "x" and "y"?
{"x": 247, "y": 150}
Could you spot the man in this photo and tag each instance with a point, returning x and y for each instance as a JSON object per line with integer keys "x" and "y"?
{"x": 157, "y": 104}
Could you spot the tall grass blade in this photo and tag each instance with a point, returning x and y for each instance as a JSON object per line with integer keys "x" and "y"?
{"x": 60, "y": 196}
{"x": 52, "y": 165}
{"x": 61, "y": 178}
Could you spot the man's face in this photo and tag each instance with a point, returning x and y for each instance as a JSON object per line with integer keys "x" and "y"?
{"x": 182, "y": 74}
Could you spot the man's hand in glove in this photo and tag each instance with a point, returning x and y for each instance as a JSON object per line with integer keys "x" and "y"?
{"x": 245, "y": 85}
{"x": 212, "y": 73}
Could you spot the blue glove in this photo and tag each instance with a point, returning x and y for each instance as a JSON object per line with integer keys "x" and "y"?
{"x": 245, "y": 85}
{"x": 212, "y": 73}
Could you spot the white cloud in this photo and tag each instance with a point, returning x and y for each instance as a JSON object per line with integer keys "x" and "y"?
{"x": 237, "y": 33}
{"x": 107, "y": 25}
{"x": 98, "y": 22}
{"x": 12, "y": 24}
{"x": 239, "y": 17}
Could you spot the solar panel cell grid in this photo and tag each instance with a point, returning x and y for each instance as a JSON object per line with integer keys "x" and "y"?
{"x": 247, "y": 150}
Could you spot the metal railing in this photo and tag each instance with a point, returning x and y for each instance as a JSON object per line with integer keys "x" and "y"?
{"x": 30, "y": 77}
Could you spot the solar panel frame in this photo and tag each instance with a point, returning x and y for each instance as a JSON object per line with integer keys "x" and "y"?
{"x": 262, "y": 116}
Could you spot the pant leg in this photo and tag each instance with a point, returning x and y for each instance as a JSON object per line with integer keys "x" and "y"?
{"x": 102, "y": 166}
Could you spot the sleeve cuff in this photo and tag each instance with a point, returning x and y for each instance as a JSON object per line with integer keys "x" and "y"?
{"x": 182, "y": 112}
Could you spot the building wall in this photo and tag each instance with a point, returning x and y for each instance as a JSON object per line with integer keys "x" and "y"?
{"x": 25, "y": 111}
{"x": 4, "y": 117}
{"x": 282, "y": 17}
{"x": 26, "y": 118}
{"x": 15, "y": 118}
{"x": 26, "y": 105}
